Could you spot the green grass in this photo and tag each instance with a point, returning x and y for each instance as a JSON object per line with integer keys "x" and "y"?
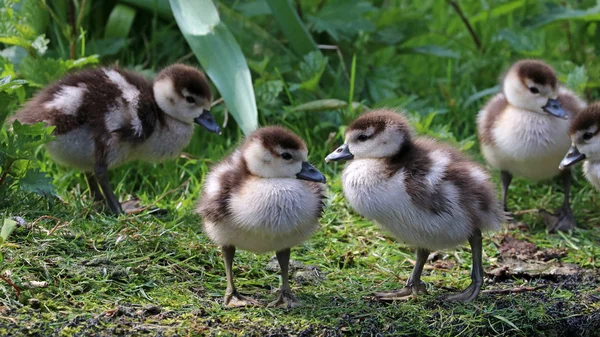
{"x": 94, "y": 263}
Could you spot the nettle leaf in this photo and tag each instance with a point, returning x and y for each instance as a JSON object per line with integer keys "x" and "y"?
{"x": 577, "y": 79}
{"x": 37, "y": 182}
{"x": 334, "y": 19}
{"x": 267, "y": 93}
{"x": 42, "y": 71}
{"x": 382, "y": 83}
{"x": 528, "y": 41}
{"x": 311, "y": 70}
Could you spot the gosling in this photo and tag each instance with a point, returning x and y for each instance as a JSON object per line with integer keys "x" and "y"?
{"x": 426, "y": 194}
{"x": 585, "y": 144}
{"x": 523, "y": 131}
{"x": 264, "y": 197}
{"x": 106, "y": 117}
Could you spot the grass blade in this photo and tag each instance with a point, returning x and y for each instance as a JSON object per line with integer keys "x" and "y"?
{"x": 289, "y": 22}
{"x": 220, "y": 56}
{"x": 119, "y": 22}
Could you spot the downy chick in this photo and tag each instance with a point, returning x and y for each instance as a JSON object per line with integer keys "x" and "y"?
{"x": 105, "y": 117}
{"x": 586, "y": 144}
{"x": 426, "y": 194}
{"x": 264, "y": 197}
{"x": 523, "y": 131}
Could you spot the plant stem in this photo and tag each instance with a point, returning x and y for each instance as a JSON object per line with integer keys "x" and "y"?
{"x": 3, "y": 177}
{"x": 464, "y": 19}
{"x": 73, "y": 30}
{"x": 12, "y": 285}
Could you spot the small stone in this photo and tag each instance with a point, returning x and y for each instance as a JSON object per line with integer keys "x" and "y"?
{"x": 35, "y": 303}
{"x": 151, "y": 310}
{"x": 310, "y": 275}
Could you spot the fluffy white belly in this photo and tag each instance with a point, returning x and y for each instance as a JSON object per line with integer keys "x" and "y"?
{"x": 73, "y": 149}
{"x": 386, "y": 201}
{"x": 592, "y": 173}
{"x": 268, "y": 215}
{"x": 527, "y": 144}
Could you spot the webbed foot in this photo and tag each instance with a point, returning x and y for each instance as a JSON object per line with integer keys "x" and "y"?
{"x": 286, "y": 300}
{"x": 401, "y": 294}
{"x": 235, "y": 300}
{"x": 468, "y": 294}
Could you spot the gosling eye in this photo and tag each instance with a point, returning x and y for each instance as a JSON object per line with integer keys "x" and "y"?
{"x": 362, "y": 138}
{"x": 534, "y": 90}
{"x": 190, "y": 99}
{"x": 286, "y": 156}
{"x": 588, "y": 136}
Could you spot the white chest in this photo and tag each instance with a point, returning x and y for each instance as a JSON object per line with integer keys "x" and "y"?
{"x": 528, "y": 144}
{"x": 592, "y": 173}
{"x": 165, "y": 142}
{"x": 268, "y": 215}
{"x": 386, "y": 201}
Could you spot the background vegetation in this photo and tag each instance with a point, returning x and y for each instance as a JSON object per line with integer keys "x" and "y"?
{"x": 80, "y": 271}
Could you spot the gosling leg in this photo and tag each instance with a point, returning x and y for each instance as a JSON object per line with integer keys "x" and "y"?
{"x": 413, "y": 284}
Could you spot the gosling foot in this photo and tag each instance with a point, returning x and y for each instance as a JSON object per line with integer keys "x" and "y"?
{"x": 286, "y": 300}
{"x": 563, "y": 221}
{"x": 401, "y": 294}
{"x": 234, "y": 299}
{"x": 466, "y": 295}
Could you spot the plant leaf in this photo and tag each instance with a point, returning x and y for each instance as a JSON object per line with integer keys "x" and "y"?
{"x": 7, "y": 228}
{"x": 289, "y": 22}
{"x": 119, "y": 22}
{"x": 497, "y": 11}
{"x": 37, "y": 182}
{"x": 221, "y": 57}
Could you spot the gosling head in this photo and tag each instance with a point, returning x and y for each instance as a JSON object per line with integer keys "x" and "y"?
{"x": 532, "y": 85}
{"x": 376, "y": 134}
{"x": 183, "y": 93}
{"x": 585, "y": 137}
{"x": 275, "y": 152}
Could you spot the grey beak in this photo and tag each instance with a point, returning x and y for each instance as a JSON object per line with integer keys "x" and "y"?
{"x": 573, "y": 157}
{"x": 554, "y": 108}
{"x": 310, "y": 173}
{"x": 207, "y": 120}
{"x": 341, "y": 153}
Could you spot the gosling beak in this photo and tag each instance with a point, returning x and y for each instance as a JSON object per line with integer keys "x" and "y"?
{"x": 554, "y": 108}
{"x": 310, "y": 173}
{"x": 341, "y": 153}
{"x": 573, "y": 157}
{"x": 207, "y": 120}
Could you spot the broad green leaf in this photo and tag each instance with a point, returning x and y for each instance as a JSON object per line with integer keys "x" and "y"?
{"x": 119, "y": 22}
{"x": 561, "y": 13}
{"x": 325, "y": 105}
{"x": 436, "y": 51}
{"x": 497, "y": 11}
{"x": 342, "y": 19}
{"x": 295, "y": 31}
{"x": 526, "y": 42}
{"x": 221, "y": 57}
{"x": 37, "y": 182}
{"x": 311, "y": 70}
{"x": 7, "y": 228}
{"x": 577, "y": 79}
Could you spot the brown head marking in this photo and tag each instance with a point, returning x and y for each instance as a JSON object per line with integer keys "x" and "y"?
{"x": 186, "y": 77}
{"x": 537, "y": 71}
{"x": 379, "y": 120}
{"x": 586, "y": 118}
